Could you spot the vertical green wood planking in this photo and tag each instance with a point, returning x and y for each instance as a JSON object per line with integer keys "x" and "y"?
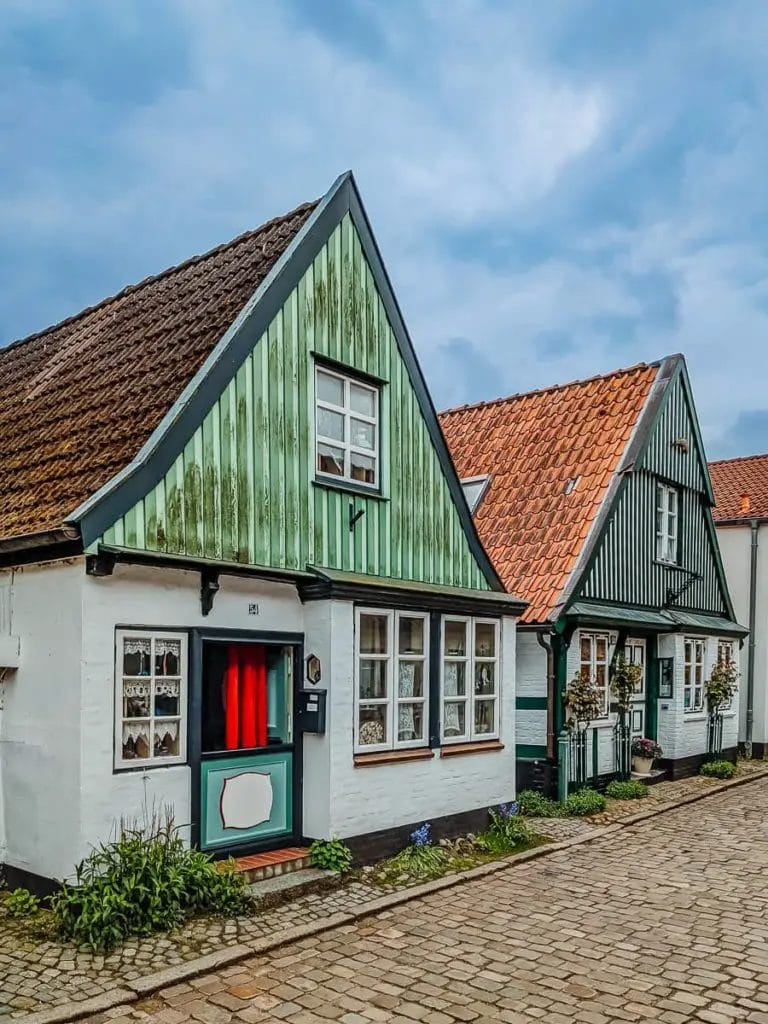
{"x": 243, "y": 487}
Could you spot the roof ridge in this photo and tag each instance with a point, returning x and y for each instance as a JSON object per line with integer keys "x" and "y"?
{"x": 153, "y": 278}
{"x": 738, "y": 458}
{"x": 553, "y": 387}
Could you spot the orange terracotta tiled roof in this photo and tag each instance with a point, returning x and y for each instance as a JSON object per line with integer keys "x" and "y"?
{"x": 82, "y": 397}
{"x": 532, "y": 445}
{"x": 741, "y": 488}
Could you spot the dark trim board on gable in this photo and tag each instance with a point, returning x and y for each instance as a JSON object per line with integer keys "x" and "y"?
{"x": 97, "y": 514}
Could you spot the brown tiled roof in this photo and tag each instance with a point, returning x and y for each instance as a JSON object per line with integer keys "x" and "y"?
{"x": 80, "y": 398}
{"x": 741, "y": 488}
{"x": 532, "y": 445}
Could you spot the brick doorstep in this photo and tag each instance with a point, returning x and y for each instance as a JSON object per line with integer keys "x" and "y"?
{"x": 139, "y": 988}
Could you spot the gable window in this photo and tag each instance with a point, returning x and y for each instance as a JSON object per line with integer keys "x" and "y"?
{"x": 693, "y": 675}
{"x": 151, "y": 699}
{"x": 346, "y": 428}
{"x": 667, "y": 518}
{"x": 474, "y": 488}
{"x": 593, "y": 665}
{"x": 470, "y": 679}
{"x": 391, "y": 680}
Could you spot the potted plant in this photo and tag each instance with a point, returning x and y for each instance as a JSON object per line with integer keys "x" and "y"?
{"x": 644, "y": 753}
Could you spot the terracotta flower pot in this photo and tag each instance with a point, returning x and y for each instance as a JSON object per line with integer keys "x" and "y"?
{"x": 642, "y": 765}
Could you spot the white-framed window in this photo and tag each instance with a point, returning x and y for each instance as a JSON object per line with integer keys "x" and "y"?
{"x": 474, "y": 488}
{"x": 346, "y": 428}
{"x": 391, "y": 680}
{"x": 726, "y": 656}
{"x": 593, "y": 665}
{"x": 150, "y": 698}
{"x": 469, "y": 679}
{"x": 693, "y": 674}
{"x": 634, "y": 652}
{"x": 667, "y": 502}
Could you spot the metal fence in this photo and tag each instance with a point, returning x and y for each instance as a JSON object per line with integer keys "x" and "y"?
{"x": 715, "y": 735}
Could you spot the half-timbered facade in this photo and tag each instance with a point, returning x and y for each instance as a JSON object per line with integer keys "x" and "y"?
{"x": 239, "y": 576}
{"x": 597, "y": 509}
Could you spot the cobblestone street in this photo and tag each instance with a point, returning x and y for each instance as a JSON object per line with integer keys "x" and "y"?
{"x": 662, "y": 921}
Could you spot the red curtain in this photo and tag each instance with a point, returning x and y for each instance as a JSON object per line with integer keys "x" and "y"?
{"x": 245, "y": 697}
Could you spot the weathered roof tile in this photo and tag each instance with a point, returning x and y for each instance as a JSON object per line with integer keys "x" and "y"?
{"x": 741, "y": 488}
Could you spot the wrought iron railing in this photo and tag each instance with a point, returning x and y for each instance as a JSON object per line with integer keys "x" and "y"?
{"x": 622, "y": 749}
{"x": 715, "y": 735}
{"x": 578, "y": 757}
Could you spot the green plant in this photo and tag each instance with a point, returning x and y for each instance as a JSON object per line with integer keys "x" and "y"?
{"x": 582, "y": 701}
{"x": 144, "y": 881}
{"x": 584, "y": 802}
{"x": 718, "y": 769}
{"x": 422, "y": 862}
{"x": 506, "y": 832}
{"x": 720, "y": 688}
{"x": 632, "y": 789}
{"x": 643, "y": 747}
{"x": 21, "y": 903}
{"x": 624, "y": 682}
{"x": 331, "y": 855}
{"x": 536, "y": 805}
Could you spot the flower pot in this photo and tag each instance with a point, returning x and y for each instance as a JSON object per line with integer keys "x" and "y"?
{"x": 642, "y": 765}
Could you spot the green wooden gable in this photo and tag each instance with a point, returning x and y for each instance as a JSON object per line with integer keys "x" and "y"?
{"x": 242, "y": 489}
{"x": 622, "y": 568}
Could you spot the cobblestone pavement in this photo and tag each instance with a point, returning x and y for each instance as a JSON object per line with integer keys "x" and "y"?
{"x": 662, "y": 921}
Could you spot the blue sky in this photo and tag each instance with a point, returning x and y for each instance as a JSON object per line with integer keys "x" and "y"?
{"x": 558, "y": 188}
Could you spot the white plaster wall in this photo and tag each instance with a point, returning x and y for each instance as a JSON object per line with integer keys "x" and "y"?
{"x": 318, "y": 640}
{"x": 735, "y": 549}
{"x": 531, "y": 727}
{"x": 40, "y": 720}
{"x": 375, "y": 797}
{"x": 531, "y": 677}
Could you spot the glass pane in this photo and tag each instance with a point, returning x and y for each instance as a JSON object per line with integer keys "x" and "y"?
{"x": 362, "y": 400}
{"x": 167, "y": 739}
{"x": 330, "y": 460}
{"x": 330, "y": 389}
{"x": 373, "y": 679}
{"x": 136, "y": 657}
{"x": 363, "y": 468}
{"x": 410, "y": 682}
{"x": 455, "y": 638}
{"x": 454, "y": 719}
{"x": 167, "y": 657}
{"x": 135, "y": 740}
{"x": 686, "y": 698}
{"x": 454, "y": 678}
{"x": 136, "y": 698}
{"x": 167, "y": 696}
{"x": 485, "y": 640}
{"x": 411, "y": 636}
{"x": 362, "y": 434}
{"x": 373, "y": 634}
{"x": 484, "y": 716}
{"x": 485, "y": 677}
{"x": 373, "y": 725}
{"x": 410, "y": 722}
{"x": 330, "y": 424}
{"x": 586, "y": 650}
{"x": 602, "y": 648}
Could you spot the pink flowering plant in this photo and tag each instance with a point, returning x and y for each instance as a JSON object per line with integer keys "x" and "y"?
{"x": 643, "y": 747}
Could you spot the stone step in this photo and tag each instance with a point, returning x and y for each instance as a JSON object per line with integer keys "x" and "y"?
{"x": 270, "y": 892}
{"x": 259, "y": 866}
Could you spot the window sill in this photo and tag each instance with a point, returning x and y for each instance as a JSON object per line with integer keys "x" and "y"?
{"x": 147, "y": 766}
{"x": 393, "y": 756}
{"x": 695, "y": 716}
{"x": 478, "y": 747}
{"x": 346, "y": 487}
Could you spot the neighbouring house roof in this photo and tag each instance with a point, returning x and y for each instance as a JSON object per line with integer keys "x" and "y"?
{"x": 81, "y": 398}
{"x": 741, "y": 488}
{"x": 551, "y": 456}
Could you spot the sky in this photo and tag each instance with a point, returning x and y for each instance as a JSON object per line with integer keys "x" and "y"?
{"x": 559, "y": 187}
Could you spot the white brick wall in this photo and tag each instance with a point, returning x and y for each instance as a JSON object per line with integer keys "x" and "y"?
{"x": 531, "y": 668}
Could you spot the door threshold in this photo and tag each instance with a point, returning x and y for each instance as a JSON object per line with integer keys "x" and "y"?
{"x": 258, "y": 866}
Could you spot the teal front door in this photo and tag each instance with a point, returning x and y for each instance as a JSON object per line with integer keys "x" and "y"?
{"x": 247, "y": 751}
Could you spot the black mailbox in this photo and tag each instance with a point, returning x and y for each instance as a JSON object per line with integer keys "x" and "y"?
{"x": 312, "y": 710}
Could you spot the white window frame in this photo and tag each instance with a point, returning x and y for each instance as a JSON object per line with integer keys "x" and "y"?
{"x": 392, "y": 699}
{"x": 593, "y": 663}
{"x": 693, "y": 665}
{"x": 346, "y": 445}
{"x": 153, "y": 635}
{"x": 667, "y": 523}
{"x": 470, "y": 659}
{"x": 724, "y": 642}
{"x": 637, "y": 644}
{"x": 481, "y": 482}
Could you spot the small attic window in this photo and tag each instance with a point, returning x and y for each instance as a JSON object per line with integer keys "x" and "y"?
{"x": 570, "y": 485}
{"x": 474, "y": 488}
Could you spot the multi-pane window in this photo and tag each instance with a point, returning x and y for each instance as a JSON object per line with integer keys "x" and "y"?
{"x": 725, "y": 657}
{"x": 693, "y": 675}
{"x": 150, "y": 704}
{"x": 346, "y": 428}
{"x": 634, "y": 652}
{"x": 667, "y": 518}
{"x": 392, "y": 680}
{"x": 470, "y": 679}
{"x": 593, "y": 652}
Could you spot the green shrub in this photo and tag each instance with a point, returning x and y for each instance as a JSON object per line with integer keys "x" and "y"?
{"x": 718, "y": 769}
{"x": 21, "y": 903}
{"x": 506, "y": 833}
{"x": 536, "y": 805}
{"x": 331, "y": 855}
{"x": 583, "y": 802}
{"x": 632, "y": 789}
{"x": 423, "y": 862}
{"x": 145, "y": 881}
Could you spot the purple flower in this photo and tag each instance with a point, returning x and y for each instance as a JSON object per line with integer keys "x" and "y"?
{"x": 509, "y": 810}
{"x": 422, "y": 836}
